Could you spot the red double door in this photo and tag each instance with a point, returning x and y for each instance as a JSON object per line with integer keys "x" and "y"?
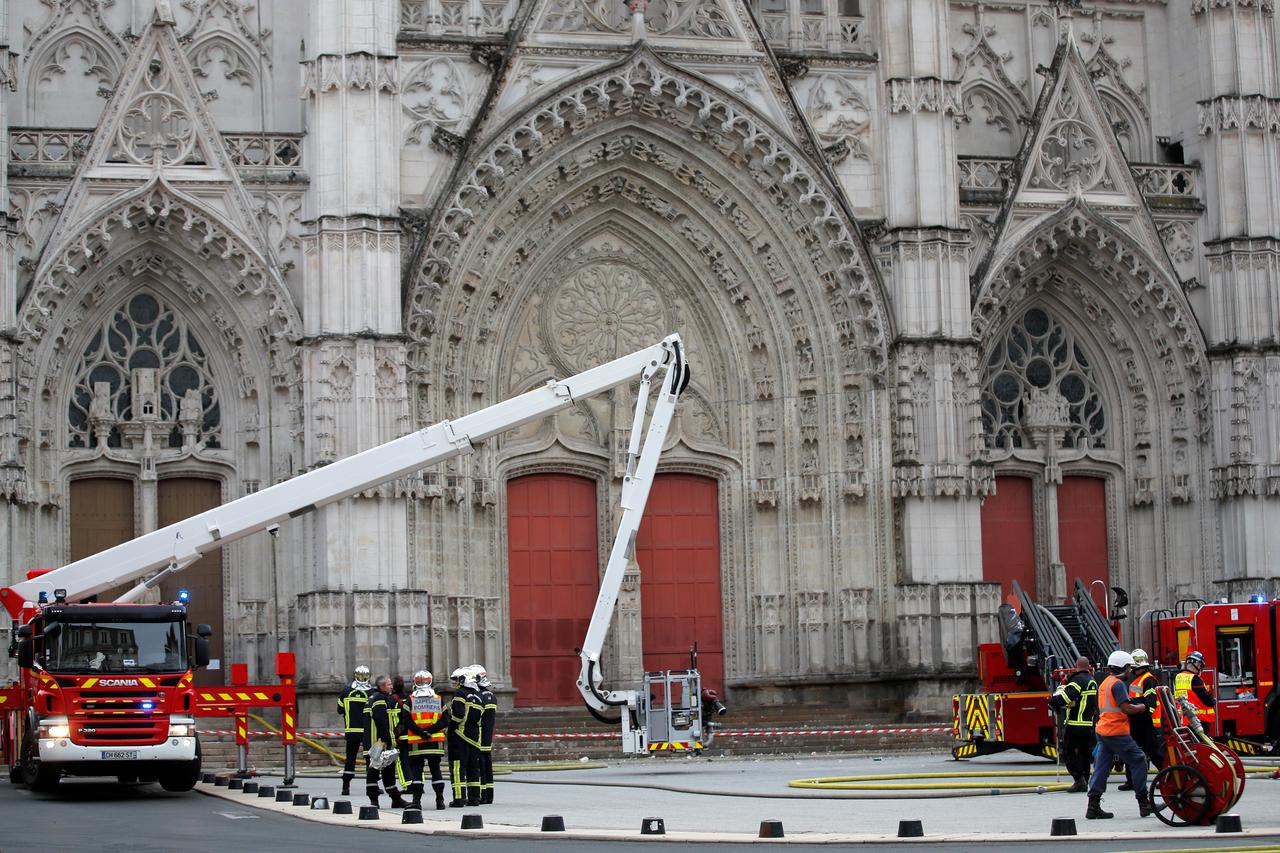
{"x": 1009, "y": 534}
{"x": 554, "y": 555}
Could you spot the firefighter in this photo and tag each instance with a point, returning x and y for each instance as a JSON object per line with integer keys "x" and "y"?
{"x": 351, "y": 705}
{"x": 1114, "y": 739}
{"x": 382, "y": 734}
{"x": 1078, "y": 698}
{"x": 1188, "y": 684}
{"x": 463, "y": 726}
{"x": 424, "y": 747}
{"x": 1145, "y": 727}
{"x": 488, "y": 722}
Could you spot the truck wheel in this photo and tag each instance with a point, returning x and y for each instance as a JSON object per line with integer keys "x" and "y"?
{"x": 32, "y": 772}
{"x": 183, "y": 777}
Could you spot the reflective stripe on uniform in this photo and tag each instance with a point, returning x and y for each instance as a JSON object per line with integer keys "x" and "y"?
{"x": 1111, "y": 720}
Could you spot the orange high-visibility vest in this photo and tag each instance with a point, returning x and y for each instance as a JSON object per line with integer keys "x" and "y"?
{"x": 424, "y": 710}
{"x": 1111, "y": 720}
{"x": 1143, "y": 686}
{"x": 1182, "y": 687}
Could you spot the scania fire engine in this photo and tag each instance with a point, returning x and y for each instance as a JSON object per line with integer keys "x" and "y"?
{"x": 1041, "y": 643}
{"x": 105, "y": 689}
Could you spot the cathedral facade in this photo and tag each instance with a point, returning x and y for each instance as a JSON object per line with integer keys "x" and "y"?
{"x": 974, "y": 293}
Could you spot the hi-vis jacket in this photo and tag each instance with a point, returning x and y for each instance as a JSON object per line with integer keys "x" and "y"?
{"x": 425, "y": 709}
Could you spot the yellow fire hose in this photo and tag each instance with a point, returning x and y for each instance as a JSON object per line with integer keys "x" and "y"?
{"x": 875, "y": 782}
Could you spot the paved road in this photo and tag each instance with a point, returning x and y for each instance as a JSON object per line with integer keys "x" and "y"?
{"x": 107, "y": 817}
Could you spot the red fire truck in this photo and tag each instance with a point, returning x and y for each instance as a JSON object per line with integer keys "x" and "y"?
{"x": 1041, "y": 642}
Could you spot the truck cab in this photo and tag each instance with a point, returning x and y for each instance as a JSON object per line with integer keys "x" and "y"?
{"x": 105, "y": 690}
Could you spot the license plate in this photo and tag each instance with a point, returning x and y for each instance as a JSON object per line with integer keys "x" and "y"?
{"x": 119, "y": 755}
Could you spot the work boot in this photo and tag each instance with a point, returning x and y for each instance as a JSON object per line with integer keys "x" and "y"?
{"x": 473, "y": 799}
{"x": 486, "y": 797}
{"x": 440, "y": 802}
{"x": 417, "y": 802}
{"x": 1144, "y": 806}
{"x": 457, "y": 804}
{"x": 396, "y": 801}
{"x": 1079, "y": 786}
{"x": 1126, "y": 785}
{"x": 1095, "y": 811}
{"x": 373, "y": 799}
{"x": 346, "y": 785}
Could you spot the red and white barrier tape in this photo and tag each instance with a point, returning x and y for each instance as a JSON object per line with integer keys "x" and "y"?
{"x": 901, "y": 730}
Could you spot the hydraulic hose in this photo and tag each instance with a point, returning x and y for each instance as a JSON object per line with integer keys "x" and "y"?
{"x": 818, "y": 795}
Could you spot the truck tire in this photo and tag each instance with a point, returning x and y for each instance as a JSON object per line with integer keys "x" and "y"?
{"x": 183, "y": 777}
{"x": 32, "y": 772}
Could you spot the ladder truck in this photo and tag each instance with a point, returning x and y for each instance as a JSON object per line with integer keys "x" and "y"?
{"x": 105, "y": 689}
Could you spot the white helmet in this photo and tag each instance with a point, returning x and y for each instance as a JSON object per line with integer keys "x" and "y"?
{"x": 421, "y": 678}
{"x": 362, "y": 673}
{"x": 480, "y": 675}
{"x": 458, "y": 676}
{"x": 1120, "y": 659}
{"x": 1140, "y": 658}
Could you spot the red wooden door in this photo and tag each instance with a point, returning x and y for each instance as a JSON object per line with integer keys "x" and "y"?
{"x": 179, "y": 498}
{"x": 678, "y": 549}
{"x": 1009, "y": 536}
{"x": 1082, "y": 533}
{"x": 554, "y": 576}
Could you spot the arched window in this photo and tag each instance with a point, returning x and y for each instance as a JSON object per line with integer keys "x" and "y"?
{"x": 144, "y": 334}
{"x": 1040, "y": 355}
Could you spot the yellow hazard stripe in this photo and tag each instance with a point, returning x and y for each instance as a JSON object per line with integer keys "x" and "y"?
{"x": 147, "y": 682}
{"x": 89, "y": 682}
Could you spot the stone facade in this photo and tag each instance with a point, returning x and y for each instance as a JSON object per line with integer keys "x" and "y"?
{"x": 875, "y": 224}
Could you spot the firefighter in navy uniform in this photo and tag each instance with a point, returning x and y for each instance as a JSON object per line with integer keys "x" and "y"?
{"x": 1078, "y": 699}
{"x": 424, "y": 747}
{"x": 463, "y": 725}
{"x": 382, "y": 733}
{"x": 1145, "y": 727}
{"x": 488, "y": 723}
{"x": 351, "y": 704}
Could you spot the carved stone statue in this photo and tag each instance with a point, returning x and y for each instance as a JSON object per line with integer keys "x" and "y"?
{"x": 100, "y": 405}
{"x": 191, "y": 411}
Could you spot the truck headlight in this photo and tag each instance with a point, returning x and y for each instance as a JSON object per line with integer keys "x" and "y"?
{"x": 55, "y": 727}
{"x": 182, "y": 727}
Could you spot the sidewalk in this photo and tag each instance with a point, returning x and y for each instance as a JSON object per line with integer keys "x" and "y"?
{"x": 725, "y": 799}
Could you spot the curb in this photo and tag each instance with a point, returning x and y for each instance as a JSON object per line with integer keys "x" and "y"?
{"x": 391, "y": 823}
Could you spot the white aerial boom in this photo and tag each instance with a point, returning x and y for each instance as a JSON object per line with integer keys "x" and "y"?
{"x": 173, "y": 548}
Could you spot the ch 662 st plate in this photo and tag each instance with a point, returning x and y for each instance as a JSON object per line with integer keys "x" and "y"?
{"x": 119, "y": 755}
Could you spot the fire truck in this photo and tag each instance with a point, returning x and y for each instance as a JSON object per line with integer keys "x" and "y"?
{"x": 105, "y": 688}
{"x": 1040, "y": 644}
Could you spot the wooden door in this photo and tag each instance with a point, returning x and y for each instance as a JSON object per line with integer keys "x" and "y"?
{"x": 101, "y": 518}
{"x": 678, "y": 550}
{"x": 554, "y": 577}
{"x": 179, "y": 498}
{"x": 1082, "y": 534}
{"x": 1009, "y": 536}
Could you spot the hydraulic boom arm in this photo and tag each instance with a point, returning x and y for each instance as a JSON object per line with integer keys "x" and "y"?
{"x": 174, "y": 547}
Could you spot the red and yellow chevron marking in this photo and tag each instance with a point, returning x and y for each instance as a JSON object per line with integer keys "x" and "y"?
{"x": 288, "y": 730}
{"x": 242, "y": 730}
{"x": 674, "y": 746}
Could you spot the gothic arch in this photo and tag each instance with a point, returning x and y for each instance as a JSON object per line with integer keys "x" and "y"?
{"x": 100, "y": 60}
{"x": 988, "y": 106}
{"x": 1126, "y": 287}
{"x": 643, "y": 91}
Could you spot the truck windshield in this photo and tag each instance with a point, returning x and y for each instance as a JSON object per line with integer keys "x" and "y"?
{"x": 99, "y": 647}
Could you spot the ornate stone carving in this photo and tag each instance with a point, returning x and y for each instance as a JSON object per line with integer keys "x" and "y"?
{"x": 1240, "y": 112}
{"x": 924, "y": 95}
{"x": 839, "y": 114}
{"x": 359, "y": 71}
{"x": 1179, "y": 241}
{"x": 696, "y": 18}
{"x": 1199, "y": 7}
{"x": 433, "y": 96}
{"x": 603, "y": 311}
{"x": 1070, "y": 157}
{"x": 987, "y": 91}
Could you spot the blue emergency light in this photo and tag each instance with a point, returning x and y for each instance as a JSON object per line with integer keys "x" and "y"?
{"x": 184, "y": 595}
{"x": 1257, "y": 598}
{"x": 147, "y": 706}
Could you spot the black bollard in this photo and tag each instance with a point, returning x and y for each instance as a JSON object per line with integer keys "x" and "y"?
{"x": 910, "y": 829}
{"x": 1063, "y": 826}
{"x": 250, "y": 788}
{"x": 220, "y": 782}
{"x": 235, "y": 784}
{"x": 411, "y": 816}
{"x": 319, "y": 804}
{"x": 207, "y": 777}
{"x": 342, "y": 807}
{"x": 368, "y": 813}
{"x": 301, "y": 799}
{"x": 771, "y": 829}
{"x": 283, "y": 796}
{"x": 472, "y": 821}
{"x": 552, "y": 823}
{"x": 1228, "y": 823}
{"x": 653, "y": 826}
{"x": 266, "y": 791}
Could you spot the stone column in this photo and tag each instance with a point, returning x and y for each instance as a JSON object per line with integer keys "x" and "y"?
{"x": 937, "y": 417}
{"x": 13, "y": 486}
{"x": 1239, "y": 126}
{"x": 1047, "y": 419}
{"x": 354, "y": 354}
